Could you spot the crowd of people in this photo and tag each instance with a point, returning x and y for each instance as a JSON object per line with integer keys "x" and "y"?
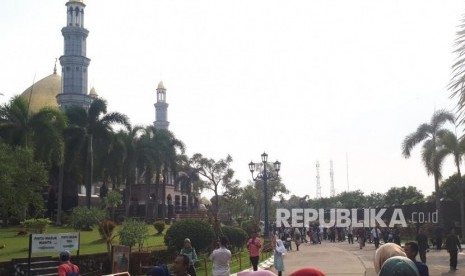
{"x": 390, "y": 258}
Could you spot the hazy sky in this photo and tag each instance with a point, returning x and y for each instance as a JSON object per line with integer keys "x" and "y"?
{"x": 301, "y": 80}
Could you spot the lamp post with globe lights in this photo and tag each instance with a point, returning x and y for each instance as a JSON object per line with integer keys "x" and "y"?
{"x": 265, "y": 175}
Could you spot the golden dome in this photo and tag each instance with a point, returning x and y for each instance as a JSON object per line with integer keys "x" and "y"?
{"x": 160, "y": 85}
{"x": 43, "y": 93}
{"x": 93, "y": 93}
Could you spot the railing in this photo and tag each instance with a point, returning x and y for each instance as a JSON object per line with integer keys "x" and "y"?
{"x": 119, "y": 274}
{"x": 239, "y": 262}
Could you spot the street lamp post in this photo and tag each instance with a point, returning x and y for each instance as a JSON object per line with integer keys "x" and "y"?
{"x": 265, "y": 176}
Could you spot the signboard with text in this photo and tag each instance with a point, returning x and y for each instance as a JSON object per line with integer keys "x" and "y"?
{"x": 54, "y": 242}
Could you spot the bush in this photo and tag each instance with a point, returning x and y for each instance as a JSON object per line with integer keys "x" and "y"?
{"x": 159, "y": 226}
{"x": 200, "y": 233}
{"x": 83, "y": 218}
{"x": 133, "y": 232}
{"x": 106, "y": 228}
{"x": 250, "y": 226}
{"x": 236, "y": 236}
{"x": 38, "y": 226}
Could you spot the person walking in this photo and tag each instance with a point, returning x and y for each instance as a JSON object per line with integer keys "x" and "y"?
{"x": 452, "y": 246}
{"x": 423, "y": 246}
{"x": 350, "y": 235}
{"x": 376, "y": 234}
{"x": 66, "y": 268}
{"x": 189, "y": 251}
{"x": 254, "y": 245}
{"x": 278, "y": 261}
{"x": 361, "y": 237}
{"x": 297, "y": 238}
{"x": 220, "y": 258}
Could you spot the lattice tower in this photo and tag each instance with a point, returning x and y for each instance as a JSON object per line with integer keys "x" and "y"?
{"x": 331, "y": 175}
{"x": 318, "y": 185}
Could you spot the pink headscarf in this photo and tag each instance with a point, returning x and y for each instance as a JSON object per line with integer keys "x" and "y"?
{"x": 256, "y": 273}
{"x": 308, "y": 271}
{"x": 385, "y": 252}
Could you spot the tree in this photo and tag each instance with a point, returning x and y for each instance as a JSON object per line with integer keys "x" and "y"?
{"x": 428, "y": 134}
{"x": 22, "y": 181}
{"x": 160, "y": 148}
{"x": 352, "y": 199}
{"x": 41, "y": 131}
{"x": 133, "y": 232}
{"x": 130, "y": 139}
{"x": 457, "y": 83}
{"x": 451, "y": 145}
{"x": 111, "y": 201}
{"x": 93, "y": 124}
{"x": 218, "y": 174}
{"x": 403, "y": 195}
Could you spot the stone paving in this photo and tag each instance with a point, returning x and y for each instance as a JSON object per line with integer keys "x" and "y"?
{"x": 346, "y": 259}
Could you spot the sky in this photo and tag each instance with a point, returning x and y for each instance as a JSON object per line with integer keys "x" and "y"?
{"x": 304, "y": 81}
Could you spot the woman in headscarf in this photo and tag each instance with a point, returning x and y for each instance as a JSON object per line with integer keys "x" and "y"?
{"x": 308, "y": 271}
{"x": 256, "y": 273}
{"x": 385, "y": 252}
{"x": 189, "y": 251}
{"x": 399, "y": 266}
{"x": 278, "y": 256}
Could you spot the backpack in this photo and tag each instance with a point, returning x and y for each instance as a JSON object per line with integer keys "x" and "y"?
{"x": 72, "y": 272}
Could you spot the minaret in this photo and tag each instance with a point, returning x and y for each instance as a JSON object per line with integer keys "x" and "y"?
{"x": 74, "y": 62}
{"x": 161, "y": 108}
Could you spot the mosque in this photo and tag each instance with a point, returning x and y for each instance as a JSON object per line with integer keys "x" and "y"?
{"x": 71, "y": 89}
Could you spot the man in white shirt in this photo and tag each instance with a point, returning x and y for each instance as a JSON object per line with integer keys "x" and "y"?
{"x": 221, "y": 258}
{"x": 376, "y": 234}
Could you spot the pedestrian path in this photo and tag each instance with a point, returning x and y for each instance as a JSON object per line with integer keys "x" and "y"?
{"x": 349, "y": 260}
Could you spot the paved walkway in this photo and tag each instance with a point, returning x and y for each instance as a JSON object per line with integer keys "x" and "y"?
{"x": 344, "y": 259}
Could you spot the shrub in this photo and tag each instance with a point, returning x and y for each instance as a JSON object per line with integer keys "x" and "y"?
{"x": 106, "y": 228}
{"x": 38, "y": 226}
{"x": 83, "y": 218}
{"x": 133, "y": 232}
{"x": 200, "y": 233}
{"x": 237, "y": 237}
{"x": 159, "y": 226}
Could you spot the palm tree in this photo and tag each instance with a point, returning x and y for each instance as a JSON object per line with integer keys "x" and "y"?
{"x": 451, "y": 145}
{"x": 432, "y": 159}
{"x": 160, "y": 147}
{"x": 130, "y": 139}
{"x": 42, "y": 130}
{"x": 94, "y": 124}
{"x": 169, "y": 147}
{"x": 457, "y": 82}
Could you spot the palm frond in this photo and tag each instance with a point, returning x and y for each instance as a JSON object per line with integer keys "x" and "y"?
{"x": 414, "y": 138}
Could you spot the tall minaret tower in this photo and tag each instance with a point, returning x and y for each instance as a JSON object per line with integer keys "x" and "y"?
{"x": 74, "y": 62}
{"x": 161, "y": 108}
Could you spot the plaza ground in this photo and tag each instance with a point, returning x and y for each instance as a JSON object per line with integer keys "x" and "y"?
{"x": 341, "y": 258}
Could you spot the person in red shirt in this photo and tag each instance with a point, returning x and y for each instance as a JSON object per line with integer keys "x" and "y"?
{"x": 66, "y": 268}
{"x": 254, "y": 245}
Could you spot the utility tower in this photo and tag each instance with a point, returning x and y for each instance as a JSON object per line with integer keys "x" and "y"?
{"x": 318, "y": 186}
{"x": 331, "y": 175}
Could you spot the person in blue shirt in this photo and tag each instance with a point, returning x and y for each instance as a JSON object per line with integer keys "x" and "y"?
{"x": 411, "y": 250}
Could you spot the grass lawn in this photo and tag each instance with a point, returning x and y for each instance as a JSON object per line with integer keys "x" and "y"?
{"x": 15, "y": 246}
